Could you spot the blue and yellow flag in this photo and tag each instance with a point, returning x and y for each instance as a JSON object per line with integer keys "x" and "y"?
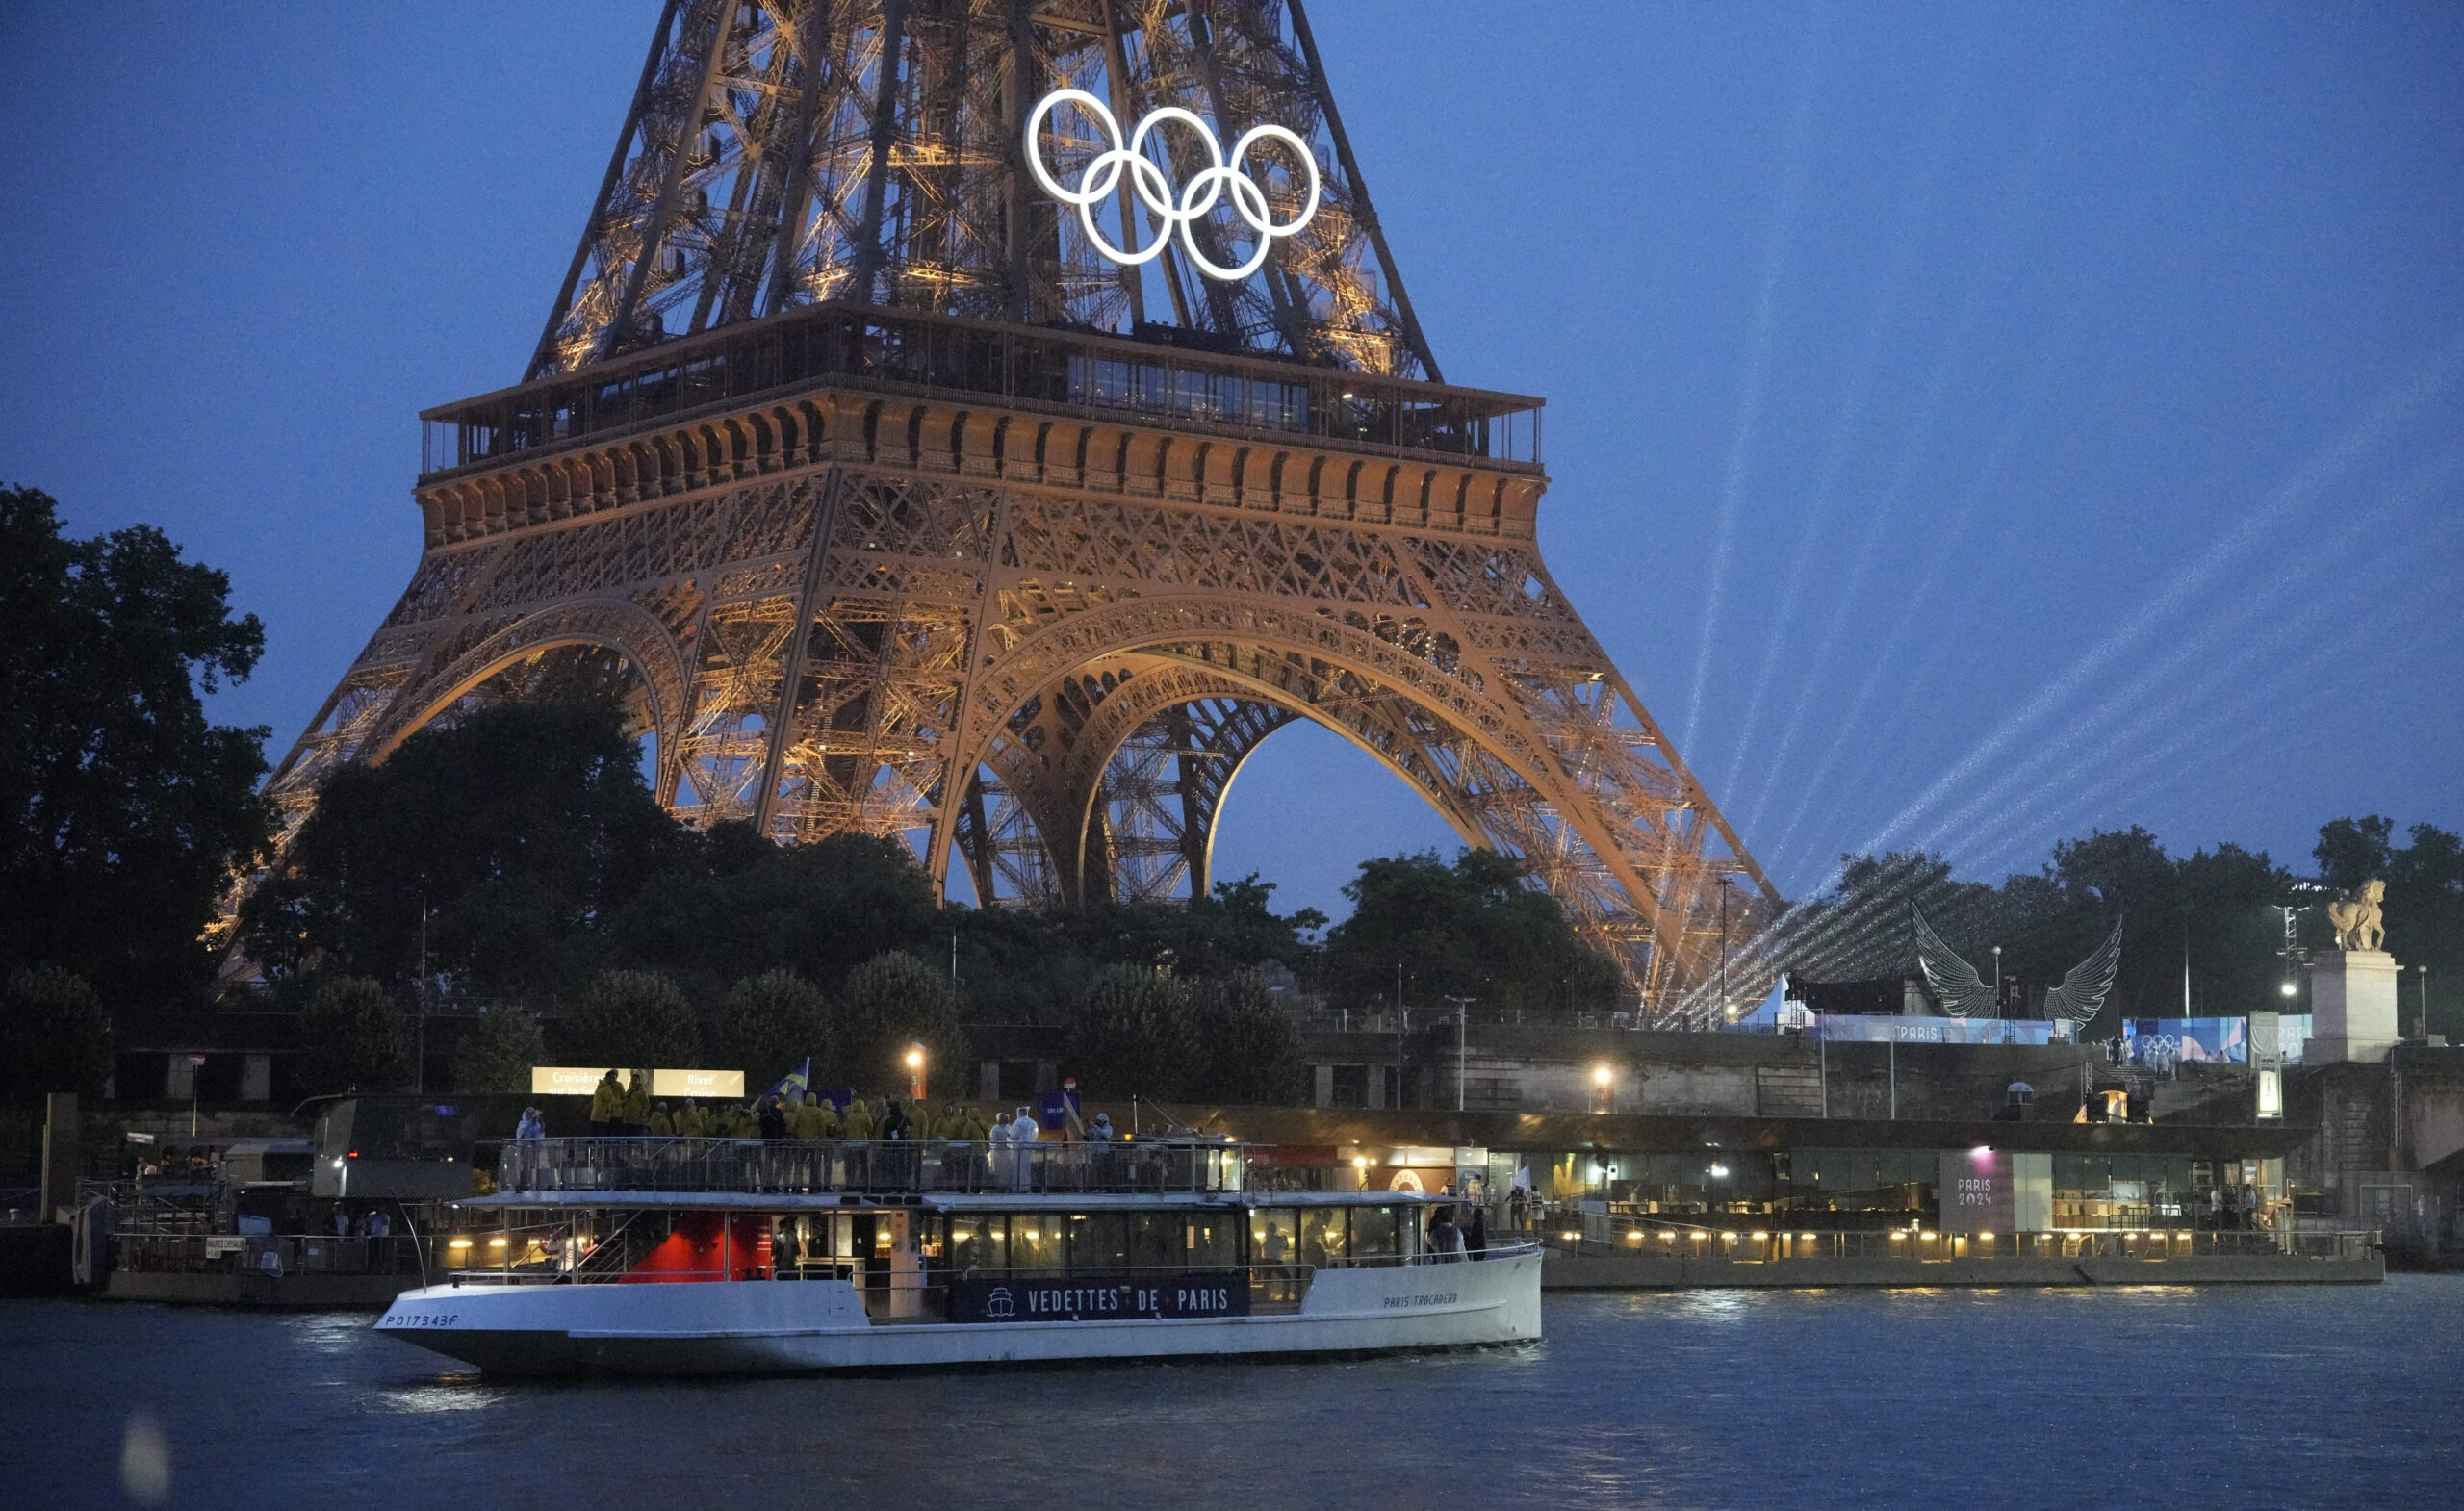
{"x": 795, "y": 1080}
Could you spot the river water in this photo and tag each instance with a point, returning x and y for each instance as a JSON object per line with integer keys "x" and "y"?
{"x": 2084, "y": 1399}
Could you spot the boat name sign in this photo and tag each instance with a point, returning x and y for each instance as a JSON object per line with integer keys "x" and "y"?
{"x": 1089, "y": 1298}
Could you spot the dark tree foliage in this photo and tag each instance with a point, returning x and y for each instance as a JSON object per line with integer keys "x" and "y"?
{"x": 53, "y": 1035}
{"x": 772, "y": 1022}
{"x": 1474, "y": 928}
{"x": 1248, "y": 1053}
{"x": 1132, "y": 1033}
{"x": 890, "y": 1002}
{"x": 637, "y": 1019}
{"x": 2352, "y": 851}
{"x": 497, "y": 1055}
{"x": 524, "y": 828}
{"x": 1033, "y": 965}
{"x": 355, "y": 1036}
{"x": 126, "y": 811}
{"x": 749, "y": 905}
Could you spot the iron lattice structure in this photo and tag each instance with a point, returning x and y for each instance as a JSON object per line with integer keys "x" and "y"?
{"x": 903, "y": 512}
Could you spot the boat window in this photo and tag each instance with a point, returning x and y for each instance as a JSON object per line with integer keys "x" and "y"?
{"x": 1376, "y": 1233}
{"x": 1275, "y": 1234}
{"x": 979, "y": 1243}
{"x": 1322, "y": 1237}
{"x": 1207, "y": 1240}
{"x": 1154, "y": 1239}
{"x": 1098, "y": 1241}
{"x": 1035, "y": 1241}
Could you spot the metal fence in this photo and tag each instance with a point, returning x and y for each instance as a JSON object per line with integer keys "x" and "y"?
{"x": 266, "y": 1254}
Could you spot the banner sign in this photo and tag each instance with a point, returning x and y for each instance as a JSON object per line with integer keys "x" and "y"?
{"x": 583, "y": 1080}
{"x": 1882, "y": 1027}
{"x": 1976, "y": 1191}
{"x": 1100, "y": 1297}
{"x": 728, "y": 1086}
{"x": 569, "y": 1080}
{"x": 2160, "y": 1043}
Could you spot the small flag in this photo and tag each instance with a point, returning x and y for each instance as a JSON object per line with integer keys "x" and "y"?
{"x": 794, "y": 1080}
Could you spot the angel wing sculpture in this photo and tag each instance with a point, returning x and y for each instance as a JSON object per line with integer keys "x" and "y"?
{"x": 2081, "y": 992}
{"x": 1964, "y": 994}
{"x": 1955, "y": 983}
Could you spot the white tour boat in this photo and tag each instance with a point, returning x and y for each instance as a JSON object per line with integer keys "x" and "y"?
{"x": 681, "y": 1256}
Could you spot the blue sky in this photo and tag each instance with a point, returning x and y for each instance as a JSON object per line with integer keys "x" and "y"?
{"x": 1971, "y": 425}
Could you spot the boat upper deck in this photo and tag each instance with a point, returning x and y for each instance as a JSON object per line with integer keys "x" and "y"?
{"x": 686, "y": 1171}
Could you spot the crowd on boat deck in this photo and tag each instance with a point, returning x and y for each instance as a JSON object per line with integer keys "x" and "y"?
{"x": 621, "y": 1112}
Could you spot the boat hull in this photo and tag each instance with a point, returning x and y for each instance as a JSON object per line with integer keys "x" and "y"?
{"x": 762, "y": 1327}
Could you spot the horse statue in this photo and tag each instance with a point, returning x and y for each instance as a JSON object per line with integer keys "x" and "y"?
{"x": 2356, "y": 916}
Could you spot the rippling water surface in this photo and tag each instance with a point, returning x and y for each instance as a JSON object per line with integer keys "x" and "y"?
{"x": 2258, "y": 1397}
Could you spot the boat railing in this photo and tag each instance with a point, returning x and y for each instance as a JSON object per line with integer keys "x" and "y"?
{"x": 270, "y": 1254}
{"x": 866, "y": 1166}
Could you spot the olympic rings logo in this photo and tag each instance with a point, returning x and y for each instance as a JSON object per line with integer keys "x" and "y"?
{"x": 1103, "y": 174}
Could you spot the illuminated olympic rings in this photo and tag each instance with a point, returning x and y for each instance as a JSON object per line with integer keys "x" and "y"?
{"x": 1102, "y": 177}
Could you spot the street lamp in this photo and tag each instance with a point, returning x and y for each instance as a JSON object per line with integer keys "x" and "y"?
{"x": 2291, "y": 950}
{"x": 1604, "y": 1078}
{"x": 915, "y": 1072}
{"x": 2423, "y": 973}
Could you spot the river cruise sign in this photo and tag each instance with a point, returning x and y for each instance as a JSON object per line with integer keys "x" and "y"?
{"x": 1127, "y": 163}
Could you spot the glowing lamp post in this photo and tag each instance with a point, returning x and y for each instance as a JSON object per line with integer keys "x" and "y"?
{"x": 1605, "y": 1079}
{"x": 915, "y": 1072}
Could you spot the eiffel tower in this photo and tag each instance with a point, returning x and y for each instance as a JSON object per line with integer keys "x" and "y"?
{"x": 902, "y": 504}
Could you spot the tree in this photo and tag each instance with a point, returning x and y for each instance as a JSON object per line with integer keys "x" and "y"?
{"x": 2352, "y": 851}
{"x": 522, "y": 830}
{"x": 635, "y": 1020}
{"x": 1132, "y": 1034}
{"x": 498, "y": 1054}
{"x": 1474, "y": 928}
{"x": 123, "y": 811}
{"x": 355, "y": 1036}
{"x": 1248, "y": 1051}
{"x": 53, "y": 1035}
{"x": 771, "y": 1022}
{"x": 751, "y": 905}
{"x": 892, "y": 1001}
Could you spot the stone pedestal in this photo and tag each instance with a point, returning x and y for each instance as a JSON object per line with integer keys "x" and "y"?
{"x": 2353, "y": 1006}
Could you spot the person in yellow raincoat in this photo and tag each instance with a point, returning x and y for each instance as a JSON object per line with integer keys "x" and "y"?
{"x": 638, "y": 1105}
{"x": 821, "y": 1119}
{"x": 859, "y": 1123}
{"x": 606, "y": 1107}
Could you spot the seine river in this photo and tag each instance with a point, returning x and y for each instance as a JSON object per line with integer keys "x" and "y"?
{"x": 2080, "y": 1399}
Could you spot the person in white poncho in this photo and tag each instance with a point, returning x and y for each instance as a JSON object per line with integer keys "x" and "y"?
{"x": 1021, "y": 1164}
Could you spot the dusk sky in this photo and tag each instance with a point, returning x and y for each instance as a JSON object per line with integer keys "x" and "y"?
{"x": 1970, "y": 427}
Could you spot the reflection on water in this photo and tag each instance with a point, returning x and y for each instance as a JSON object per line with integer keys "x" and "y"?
{"x": 2241, "y": 1397}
